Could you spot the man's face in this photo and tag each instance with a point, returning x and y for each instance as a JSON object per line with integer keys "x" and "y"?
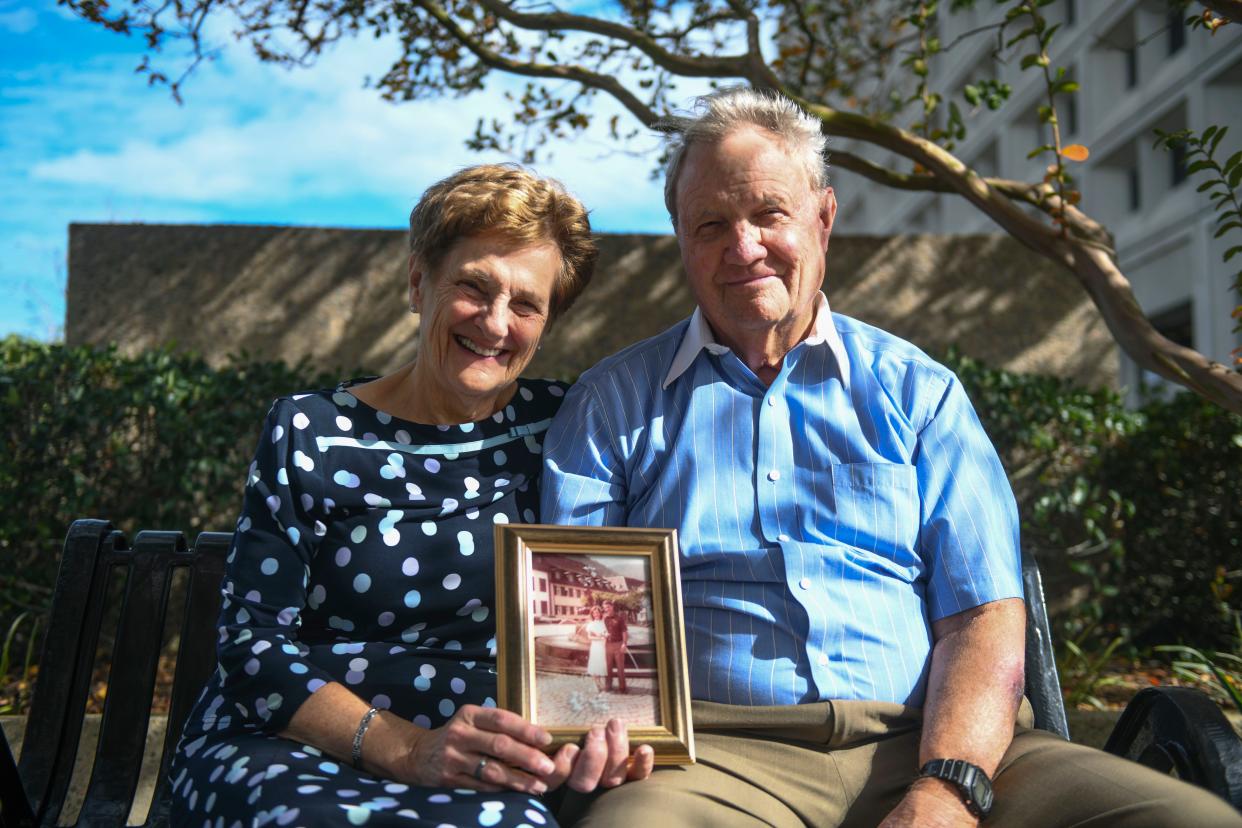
{"x": 753, "y": 234}
{"x": 609, "y": 609}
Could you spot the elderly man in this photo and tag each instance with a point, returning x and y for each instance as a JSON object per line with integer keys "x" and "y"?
{"x": 849, "y": 540}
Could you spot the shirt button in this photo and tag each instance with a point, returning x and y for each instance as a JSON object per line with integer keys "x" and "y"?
{"x": 774, "y": 475}
{"x": 771, "y": 400}
{"x": 805, "y": 583}
{"x": 782, "y": 537}
{"x": 823, "y": 660}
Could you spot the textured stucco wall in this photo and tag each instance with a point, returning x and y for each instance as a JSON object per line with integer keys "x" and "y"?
{"x": 338, "y": 297}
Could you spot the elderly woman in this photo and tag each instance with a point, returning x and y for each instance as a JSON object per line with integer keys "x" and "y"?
{"x": 357, "y": 647}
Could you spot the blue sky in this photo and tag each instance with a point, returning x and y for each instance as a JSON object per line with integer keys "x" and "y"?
{"x": 84, "y": 139}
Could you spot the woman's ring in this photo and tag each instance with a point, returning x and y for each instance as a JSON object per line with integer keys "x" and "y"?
{"x": 478, "y": 769}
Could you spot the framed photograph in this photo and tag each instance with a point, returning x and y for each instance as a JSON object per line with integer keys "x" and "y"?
{"x": 589, "y": 628}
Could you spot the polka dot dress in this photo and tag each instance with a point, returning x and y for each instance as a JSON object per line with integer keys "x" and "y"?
{"x": 363, "y": 555}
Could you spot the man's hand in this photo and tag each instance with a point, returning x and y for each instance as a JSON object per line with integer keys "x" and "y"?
{"x": 930, "y": 803}
{"x": 602, "y": 761}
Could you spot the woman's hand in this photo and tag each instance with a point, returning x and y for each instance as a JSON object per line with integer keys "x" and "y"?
{"x": 482, "y": 748}
{"x": 453, "y": 755}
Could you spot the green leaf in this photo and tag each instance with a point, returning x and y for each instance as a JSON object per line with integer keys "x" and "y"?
{"x": 1019, "y": 37}
{"x": 1235, "y": 177}
{"x": 1207, "y": 134}
{"x": 1197, "y": 166}
{"x": 1215, "y": 139}
{"x": 1040, "y": 150}
{"x": 1231, "y": 252}
{"x": 1207, "y": 185}
{"x": 1222, "y": 230}
{"x": 972, "y": 94}
{"x": 1234, "y": 160}
{"x": 1029, "y": 61}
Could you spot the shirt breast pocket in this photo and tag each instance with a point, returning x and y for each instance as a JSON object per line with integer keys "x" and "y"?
{"x": 876, "y": 508}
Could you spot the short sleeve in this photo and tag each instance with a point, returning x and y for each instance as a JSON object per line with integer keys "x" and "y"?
{"x": 265, "y": 677}
{"x": 583, "y": 479}
{"x": 969, "y": 532}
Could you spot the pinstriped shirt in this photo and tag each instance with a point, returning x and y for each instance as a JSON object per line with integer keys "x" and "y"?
{"x": 825, "y": 520}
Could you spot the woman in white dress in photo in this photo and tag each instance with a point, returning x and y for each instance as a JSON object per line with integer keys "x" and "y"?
{"x": 597, "y": 633}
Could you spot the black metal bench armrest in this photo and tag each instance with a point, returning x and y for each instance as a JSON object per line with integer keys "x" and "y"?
{"x": 1043, "y": 685}
{"x": 1180, "y": 728}
{"x": 14, "y": 807}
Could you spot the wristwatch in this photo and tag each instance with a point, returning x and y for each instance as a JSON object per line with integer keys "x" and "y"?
{"x": 970, "y": 780}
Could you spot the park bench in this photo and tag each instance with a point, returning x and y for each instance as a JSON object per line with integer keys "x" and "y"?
{"x": 1168, "y": 728}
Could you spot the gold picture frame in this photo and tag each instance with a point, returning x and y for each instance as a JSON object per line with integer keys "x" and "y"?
{"x": 554, "y": 588}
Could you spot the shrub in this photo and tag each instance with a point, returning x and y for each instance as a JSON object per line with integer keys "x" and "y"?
{"x": 157, "y": 440}
{"x": 1144, "y": 506}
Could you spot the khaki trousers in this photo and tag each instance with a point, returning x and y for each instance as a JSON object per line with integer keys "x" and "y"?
{"x": 848, "y": 764}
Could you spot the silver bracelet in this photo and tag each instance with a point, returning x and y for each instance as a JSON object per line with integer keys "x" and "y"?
{"x": 356, "y": 759}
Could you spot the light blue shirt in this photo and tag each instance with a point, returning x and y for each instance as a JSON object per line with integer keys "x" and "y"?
{"x": 825, "y": 520}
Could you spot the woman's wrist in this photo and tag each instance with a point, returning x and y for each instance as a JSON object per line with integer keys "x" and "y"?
{"x": 360, "y": 734}
{"x": 389, "y": 746}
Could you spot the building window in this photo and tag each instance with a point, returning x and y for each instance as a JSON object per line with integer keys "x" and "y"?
{"x": 1131, "y": 55}
{"x": 1071, "y": 114}
{"x": 1136, "y": 193}
{"x": 1071, "y": 13}
{"x": 1177, "y": 32}
{"x": 1176, "y": 324}
{"x": 1177, "y": 164}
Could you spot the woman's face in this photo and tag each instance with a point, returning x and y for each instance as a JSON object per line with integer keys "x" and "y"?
{"x": 482, "y": 311}
{"x": 596, "y": 613}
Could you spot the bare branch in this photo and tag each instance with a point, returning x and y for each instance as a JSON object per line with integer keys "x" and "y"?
{"x": 1092, "y": 263}
{"x": 758, "y": 71}
{"x": 578, "y": 74}
{"x": 698, "y": 66}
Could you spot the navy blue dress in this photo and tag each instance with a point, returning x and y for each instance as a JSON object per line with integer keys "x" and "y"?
{"x": 363, "y": 555}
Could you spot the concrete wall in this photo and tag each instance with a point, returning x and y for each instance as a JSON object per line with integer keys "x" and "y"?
{"x": 337, "y": 297}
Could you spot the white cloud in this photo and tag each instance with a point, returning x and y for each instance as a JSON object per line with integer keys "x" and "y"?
{"x": 18, "y": 22}
{"x": 252, "y": 133}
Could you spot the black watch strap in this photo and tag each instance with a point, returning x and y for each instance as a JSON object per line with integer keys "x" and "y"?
{"x": 970, "y": 780}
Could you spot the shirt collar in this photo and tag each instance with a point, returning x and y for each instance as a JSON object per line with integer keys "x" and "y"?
{"x": 699, "y": 337}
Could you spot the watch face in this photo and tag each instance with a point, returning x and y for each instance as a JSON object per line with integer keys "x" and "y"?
{"x": 981, "y": 793}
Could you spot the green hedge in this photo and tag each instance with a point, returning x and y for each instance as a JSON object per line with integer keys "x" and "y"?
{"x": 154, "y": 441}
{"x": 1147, "y": 502}
{"x": 1144, "y": 506}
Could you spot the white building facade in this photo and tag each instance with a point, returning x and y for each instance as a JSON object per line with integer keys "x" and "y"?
{"x": 1140, "y": 69}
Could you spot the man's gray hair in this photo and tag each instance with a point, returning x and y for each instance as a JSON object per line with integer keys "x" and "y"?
{"x": 726, "y": 110}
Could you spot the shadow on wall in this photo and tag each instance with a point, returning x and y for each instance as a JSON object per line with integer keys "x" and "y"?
{"x": 338, "y": 297}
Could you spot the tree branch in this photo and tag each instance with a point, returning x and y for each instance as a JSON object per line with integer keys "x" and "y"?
{"x": 578, "y": 74}
{"x": 734, "y": 66}
{"x": 1092, "y": 263}
{"x": 758, "y": 71}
